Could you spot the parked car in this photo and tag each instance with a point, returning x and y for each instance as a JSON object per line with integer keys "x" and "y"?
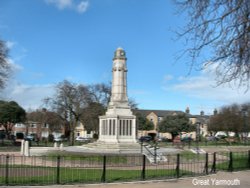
{"x": 162, "y": 139}
{"x": 29, "y": 138}
{"x": 58, "y": 139}
{"x": 82, "y": 139}
{"x": 165, "y": 139}
{"x": 212, "y": 138}
{"x": 145, "y": 139}
{"x": 186, "y": 139}
{"x": 220, "y": 135}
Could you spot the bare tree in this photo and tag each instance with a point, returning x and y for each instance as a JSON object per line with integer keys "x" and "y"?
{"x": 231, "y": 119}
{"x": 69, "y": 101}
{"x": 4, "y": 65}
{"x": 100, "y": 93}
{"x": 218, "y": 34}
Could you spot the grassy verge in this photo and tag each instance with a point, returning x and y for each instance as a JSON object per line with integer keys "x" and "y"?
{"x": 190, "y": 156}
{"x": 66, "y": 156}
{"x": 240, "y": 162}
{"x": 79, "y": 175}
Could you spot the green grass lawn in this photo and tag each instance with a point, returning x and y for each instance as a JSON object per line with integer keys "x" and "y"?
{"x": 190, "y": 156}
{"x": 70, "y": 156}
{"x": 47, "y": 175}
{"x": 240, "y": 162}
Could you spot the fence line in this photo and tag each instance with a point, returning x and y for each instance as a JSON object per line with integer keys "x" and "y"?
{"x": 44, "y": 170}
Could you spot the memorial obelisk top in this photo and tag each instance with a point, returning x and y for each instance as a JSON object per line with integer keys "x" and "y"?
{"x": 119, "y": 100}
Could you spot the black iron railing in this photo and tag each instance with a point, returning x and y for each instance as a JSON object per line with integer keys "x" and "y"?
{"x": 45, "y": 170}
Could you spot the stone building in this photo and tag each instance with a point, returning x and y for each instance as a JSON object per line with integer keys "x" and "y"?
{"x": 156, "y": 116}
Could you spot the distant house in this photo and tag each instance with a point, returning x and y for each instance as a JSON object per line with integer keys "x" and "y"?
{"x": 156, "y": 117}
{"x": 201, "y": 121}
{"x": 36, "y": 128}
{"x": 80, "y": 131}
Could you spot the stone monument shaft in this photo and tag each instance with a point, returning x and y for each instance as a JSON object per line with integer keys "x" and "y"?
{"x": 118, "y": 124}
{"x": 119, "y": 81}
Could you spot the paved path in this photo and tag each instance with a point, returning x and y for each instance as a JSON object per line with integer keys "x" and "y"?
{"x": 241, "y": 179}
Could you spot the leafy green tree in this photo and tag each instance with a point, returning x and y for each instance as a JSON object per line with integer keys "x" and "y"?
{"x": 176, "y": 124}
{"x": 143, "y": 123}
{"x": 10, "y": 114}
{"x": 90, "y": 116}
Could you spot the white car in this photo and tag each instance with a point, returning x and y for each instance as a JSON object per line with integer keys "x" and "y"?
{"x": 30, "y": 138}
{"x": 58, "y": 139}
{"x": 82, "y": 139}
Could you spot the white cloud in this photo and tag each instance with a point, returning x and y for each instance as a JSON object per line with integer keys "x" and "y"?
{"x": 60, "y": 4}
{"x": 28, "y": 96}
{"x": 14, "y": 66}
{"x": 80, "y": 7}
{"x": 204, "y": 87}
{"x": 10, "y": 44}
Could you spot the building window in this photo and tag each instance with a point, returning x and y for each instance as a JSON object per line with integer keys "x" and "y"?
{"x": 18, "y": 125}
{"x": 33, "y": 125}
{"x": 159, "y": 119}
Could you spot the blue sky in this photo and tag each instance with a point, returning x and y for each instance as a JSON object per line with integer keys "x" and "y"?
{"x": 53, "y": 40}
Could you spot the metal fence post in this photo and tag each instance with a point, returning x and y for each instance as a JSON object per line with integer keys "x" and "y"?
{"x": 143, "y": 167}
{"x": 230, "y": 165}
{"x": 58, "y": 170}
{"x": 213, "y": 169}
{"x": 248, "y": 158}
{"x": 206, "y": 164}
{"x": 103, "y": 179}
{"x": 7, "y": 170}
{"x": 178, "y": 166}
{"x": 155, "y": 153}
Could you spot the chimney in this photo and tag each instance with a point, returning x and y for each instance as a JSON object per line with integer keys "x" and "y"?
{"x": 187, "y": 110}
{"x": 215, "y": 112}
{"x": 202, "y": 113}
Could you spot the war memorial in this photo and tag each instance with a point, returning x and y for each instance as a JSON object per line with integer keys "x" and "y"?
{"x": 117, "y": 155}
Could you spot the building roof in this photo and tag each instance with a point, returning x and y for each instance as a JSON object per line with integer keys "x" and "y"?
{"x": 200, "y": 118}
{"x": 163, "y": 113}
{"x": 159, "y": 113}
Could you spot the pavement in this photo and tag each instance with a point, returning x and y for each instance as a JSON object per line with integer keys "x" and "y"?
{"x": 239, "y": 179}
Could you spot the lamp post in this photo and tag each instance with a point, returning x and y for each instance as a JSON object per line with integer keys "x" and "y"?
{"x": 245, "y": 132}
{"x": 197, "y": 136}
